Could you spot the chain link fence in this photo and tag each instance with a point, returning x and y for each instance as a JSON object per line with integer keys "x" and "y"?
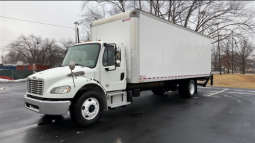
{"x": 17, "y": 74}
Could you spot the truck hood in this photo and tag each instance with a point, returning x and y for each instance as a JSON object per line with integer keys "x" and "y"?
{"x": 59, "y": 73}
{"x": 57, "y": 77}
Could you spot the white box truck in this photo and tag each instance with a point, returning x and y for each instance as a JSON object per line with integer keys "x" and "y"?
{"x": 129, "y": 53}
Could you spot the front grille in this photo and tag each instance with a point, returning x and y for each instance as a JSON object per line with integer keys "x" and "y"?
{"x": 35, "y": 97}
{"x": 35, "y": 87}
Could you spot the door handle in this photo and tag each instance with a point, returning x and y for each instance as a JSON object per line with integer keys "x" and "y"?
{"x": 122, "y": 76}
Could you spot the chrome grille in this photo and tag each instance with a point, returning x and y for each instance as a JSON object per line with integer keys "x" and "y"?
{"x": 35, "y": 87}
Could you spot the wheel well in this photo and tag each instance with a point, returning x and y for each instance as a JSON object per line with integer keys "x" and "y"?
{"x": 90, "y": 87}
{"x": 186, "y": 80}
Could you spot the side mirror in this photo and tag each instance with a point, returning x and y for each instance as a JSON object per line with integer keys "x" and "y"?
{"x": 118, "y": 58}
{"x": 117, "y": 63}
{"x": 71, "y": 65}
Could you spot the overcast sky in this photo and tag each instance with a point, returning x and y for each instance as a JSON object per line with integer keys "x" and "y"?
{"x": 63, "y": 13}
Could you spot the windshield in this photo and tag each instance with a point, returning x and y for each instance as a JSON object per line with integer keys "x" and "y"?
{"x": 84, "y": 55}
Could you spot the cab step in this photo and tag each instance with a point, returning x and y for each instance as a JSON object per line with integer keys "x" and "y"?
{"x": 117, "y": 99}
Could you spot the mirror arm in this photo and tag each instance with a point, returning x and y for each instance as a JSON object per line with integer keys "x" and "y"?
{"x": 73, "y": 78}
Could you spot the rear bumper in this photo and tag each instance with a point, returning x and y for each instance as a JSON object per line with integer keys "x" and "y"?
{"x": 47, "y": 107}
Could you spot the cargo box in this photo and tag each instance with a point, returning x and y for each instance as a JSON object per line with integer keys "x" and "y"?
{"x": 157, "y": 49}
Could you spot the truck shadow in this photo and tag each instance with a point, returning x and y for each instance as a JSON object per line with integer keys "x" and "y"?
{"x": 146, "y": 111}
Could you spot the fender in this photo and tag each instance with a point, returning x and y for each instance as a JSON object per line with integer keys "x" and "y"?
{"x": 93, "y": 85}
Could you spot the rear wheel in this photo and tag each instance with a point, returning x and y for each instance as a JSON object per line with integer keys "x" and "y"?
{"x": 191, "y": 88}
{"x": 88, "y": 109}
{"x": 159, "y": 91}
{"x": 187, "y": 88}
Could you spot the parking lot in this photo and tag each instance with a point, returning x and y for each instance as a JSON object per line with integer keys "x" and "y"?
{"x": 213, "y": 115}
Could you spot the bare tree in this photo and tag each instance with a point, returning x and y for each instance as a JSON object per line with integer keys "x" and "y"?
{"x": 199, "y": 16}
{"x": 215, "y": 59}
{"x": 246, "y": 53}
{"x": 49, "y": 50}
{"x": 206, "y": 17}
{"x": 26, "y": 47}
{"x": 139, "y": 4}
{"x": 34, "y": 49}
{"x": 93, "y": 12}
{"x": 64, "y": 45}
{"x": 226, "y": 57}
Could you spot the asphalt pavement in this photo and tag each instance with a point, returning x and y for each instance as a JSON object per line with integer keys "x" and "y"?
{"x": 214, "y": 115}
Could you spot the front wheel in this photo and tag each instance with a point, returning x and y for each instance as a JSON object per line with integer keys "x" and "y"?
{"x": 88, "y": 109}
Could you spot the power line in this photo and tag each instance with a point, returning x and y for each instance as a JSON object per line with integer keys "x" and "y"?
{"x": 35, "y": 22}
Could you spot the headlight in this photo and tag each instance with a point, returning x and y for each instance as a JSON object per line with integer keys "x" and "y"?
{"x": 60, "y": 89}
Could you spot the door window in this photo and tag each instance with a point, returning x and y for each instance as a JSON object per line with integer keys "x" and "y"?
{"x": 108, "y": 57}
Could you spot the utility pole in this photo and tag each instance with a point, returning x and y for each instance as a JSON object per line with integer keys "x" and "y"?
{"x": 219, "y": 51}
{"x": 75, "y": 29}
{"x": 78, "y": 35}
{"x": 219, "y": 46}
{"x": 232, "y": 55}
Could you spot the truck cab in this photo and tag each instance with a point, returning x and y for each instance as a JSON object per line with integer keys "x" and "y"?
{"x": 98, "y": 74}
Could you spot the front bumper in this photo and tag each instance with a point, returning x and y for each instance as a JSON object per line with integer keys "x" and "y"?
{"x": 47, "y": 107}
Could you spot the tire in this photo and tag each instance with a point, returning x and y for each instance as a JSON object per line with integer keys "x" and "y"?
{"x": 72, "y": 114}
{"x": 191, "y": 88}
{"x": 88, "y": 109}
{"x": 181, "y": 90}
{"x": 158, "y": 91}
{"x": 187, "y": 89}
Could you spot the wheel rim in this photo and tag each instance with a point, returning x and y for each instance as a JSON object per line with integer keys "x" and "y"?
{"x": 90, "y": 108}
{"x": 191, "y": 88}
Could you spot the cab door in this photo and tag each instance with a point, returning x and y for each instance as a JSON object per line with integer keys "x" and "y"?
{"x": 113, "y": 76}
